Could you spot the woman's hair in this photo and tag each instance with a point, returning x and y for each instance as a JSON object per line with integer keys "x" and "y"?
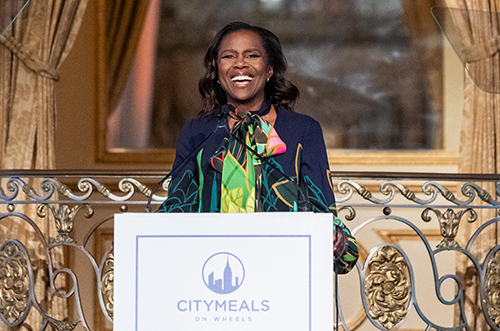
{"x": 278, "y": 90}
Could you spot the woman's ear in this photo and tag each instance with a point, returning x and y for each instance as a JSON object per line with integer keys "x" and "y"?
{"x": 270, "y": 72}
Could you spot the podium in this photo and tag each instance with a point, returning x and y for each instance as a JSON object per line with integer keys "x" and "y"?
{"x": 211, "y": 271}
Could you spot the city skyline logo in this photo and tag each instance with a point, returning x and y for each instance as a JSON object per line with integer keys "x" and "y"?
{"x": 223, "y": 273}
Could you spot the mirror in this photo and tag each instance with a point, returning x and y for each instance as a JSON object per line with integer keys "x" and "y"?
{"x": 370, "y": 71}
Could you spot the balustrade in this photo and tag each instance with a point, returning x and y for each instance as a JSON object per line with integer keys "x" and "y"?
{"x": 421, "y": 266}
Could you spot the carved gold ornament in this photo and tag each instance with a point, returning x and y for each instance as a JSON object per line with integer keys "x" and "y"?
{"x": 492, "y": 288}
{"x": 107, "y": 283}
{"x": 14, "y": 283}
{"x": 449, "y": 222}
{"x": 387, "y": 286}
{"x": 63, "y": 325}
{"x": 64, "y": 219}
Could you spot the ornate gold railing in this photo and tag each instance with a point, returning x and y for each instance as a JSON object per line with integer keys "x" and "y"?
{"x": 52, "y": 223}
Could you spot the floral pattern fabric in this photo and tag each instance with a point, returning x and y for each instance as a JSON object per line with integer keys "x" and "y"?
{"x": 239, "y": 161}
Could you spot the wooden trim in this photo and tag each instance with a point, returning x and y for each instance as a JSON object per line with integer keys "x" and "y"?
{"x": 121, "y": 155}
{"x": 391, "y": 158}
{"x": 394, "y": 236}
{"x": 335, "y": 157}
{"x": 358, "y": 175}
{"x": 101, "y": 112}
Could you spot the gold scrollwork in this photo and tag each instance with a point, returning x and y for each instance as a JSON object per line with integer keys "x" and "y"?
{"x": 345, "y": 188}
{"x": 64, "y": 219}
{"x": 492, "y": 288}
{"x": 484, "y": 195}
{"x": 104, "y": 190}
{"x": 448, "y": 195}
{"x": 66, "y": 191}
{"x": 14, "y": 280}
{"x": 388, "y": 286}
{"x": 366, "y": 194}
{"x": 107, "y": 283}
{"x": 28, "y": 190}
{"x": 146, "y": 191}
{"x": 352, "y": 212}
{"x": 448, "y": 224}
{"x": 468, "y": 188}
{"x": 408, "y": 194}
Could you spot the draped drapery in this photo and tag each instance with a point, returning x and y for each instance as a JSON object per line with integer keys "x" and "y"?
{"x": 473, "y": 30}
{"x": 31, "y": 53}
{"x": 124, "y": 21}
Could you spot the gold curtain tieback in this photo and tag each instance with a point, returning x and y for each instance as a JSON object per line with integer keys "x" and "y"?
{"x": 32, "y": 61}
{"x": 482, "y": 51}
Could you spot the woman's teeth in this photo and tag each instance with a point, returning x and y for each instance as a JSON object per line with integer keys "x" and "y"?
{"x": 241, "y": 78}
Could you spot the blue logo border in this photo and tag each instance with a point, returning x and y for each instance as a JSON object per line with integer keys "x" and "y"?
{"x": 137, "y": 239}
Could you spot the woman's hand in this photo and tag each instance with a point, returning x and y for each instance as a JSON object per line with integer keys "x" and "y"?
{"x": 339, "y": 243}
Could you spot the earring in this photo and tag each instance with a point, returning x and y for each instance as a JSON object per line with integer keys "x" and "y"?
{"x": 218, "y": 81}
{"x": 268, "y": 80}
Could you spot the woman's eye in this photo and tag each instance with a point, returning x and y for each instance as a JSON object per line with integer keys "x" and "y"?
{"x": 229, "y": 56}
{"x": 253, "y": 55}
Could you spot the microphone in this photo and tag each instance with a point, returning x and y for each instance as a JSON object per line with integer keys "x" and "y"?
{"x": 221, "y": 123}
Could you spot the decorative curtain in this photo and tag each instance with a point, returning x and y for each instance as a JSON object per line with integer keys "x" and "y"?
{"x": 31, "y": 53}
{"x": 475, "y": 32}
{"x": 124, "y": 21}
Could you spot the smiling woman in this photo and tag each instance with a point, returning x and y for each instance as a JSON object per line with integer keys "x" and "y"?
{"x": 248, "y": 64}
{"x": 248, "y": 151}
{"x": 243, "y": 70}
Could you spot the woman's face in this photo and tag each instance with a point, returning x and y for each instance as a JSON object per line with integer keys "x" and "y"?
{"x": 243, "y": 69}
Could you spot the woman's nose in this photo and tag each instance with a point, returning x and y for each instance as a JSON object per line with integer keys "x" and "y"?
{"x": 240, "y": 62}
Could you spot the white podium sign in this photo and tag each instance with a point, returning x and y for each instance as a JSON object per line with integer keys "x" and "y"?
{"x": 210, "y": 271}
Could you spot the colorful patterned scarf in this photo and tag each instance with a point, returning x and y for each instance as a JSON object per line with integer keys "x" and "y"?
{"x": 239, "y": 166}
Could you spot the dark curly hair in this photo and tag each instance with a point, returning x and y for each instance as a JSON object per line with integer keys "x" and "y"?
{"x": 278, "y": 90}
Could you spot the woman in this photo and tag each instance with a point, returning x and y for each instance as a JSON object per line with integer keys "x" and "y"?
{"x": 248, "y": 150}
